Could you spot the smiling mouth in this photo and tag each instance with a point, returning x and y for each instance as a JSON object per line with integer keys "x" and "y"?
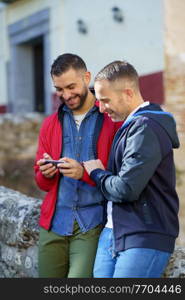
{"x": 72, "y": 100}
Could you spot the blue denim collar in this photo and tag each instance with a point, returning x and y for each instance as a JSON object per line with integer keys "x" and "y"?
{"x": 93, "y": 109}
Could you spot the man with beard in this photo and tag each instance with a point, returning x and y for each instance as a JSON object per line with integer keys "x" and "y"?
{"x": 72, "y": 211}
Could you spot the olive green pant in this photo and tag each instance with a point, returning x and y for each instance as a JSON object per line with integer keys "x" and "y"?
{"x": 68, "y": 256}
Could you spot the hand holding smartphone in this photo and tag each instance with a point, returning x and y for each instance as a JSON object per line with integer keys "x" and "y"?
{"x": 54, "y": 162}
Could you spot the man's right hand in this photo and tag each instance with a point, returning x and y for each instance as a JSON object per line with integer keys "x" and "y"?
{"x": 47, "y": 170}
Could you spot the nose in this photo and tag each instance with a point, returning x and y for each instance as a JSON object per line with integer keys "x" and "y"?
{"x": 65, "y": 94}
{"x": 102, "y": 107}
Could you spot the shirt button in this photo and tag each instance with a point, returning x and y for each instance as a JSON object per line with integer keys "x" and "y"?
{"x": 80, "y": 138}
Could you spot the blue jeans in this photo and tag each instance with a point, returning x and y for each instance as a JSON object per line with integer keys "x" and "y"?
{"x": 130, "y": 263}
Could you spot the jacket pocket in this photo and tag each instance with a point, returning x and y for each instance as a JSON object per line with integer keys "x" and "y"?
{"x": 146, "y": 213}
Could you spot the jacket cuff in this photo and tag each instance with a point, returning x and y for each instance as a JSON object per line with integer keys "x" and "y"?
{"x": 98, "y": 174}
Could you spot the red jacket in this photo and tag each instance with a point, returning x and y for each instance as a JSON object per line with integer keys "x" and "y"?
{"x": 50, "y": 141}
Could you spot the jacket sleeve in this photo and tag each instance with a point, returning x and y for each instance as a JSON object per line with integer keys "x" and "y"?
{"x": 43, "y": 183}
{"x": 140, "y": 159}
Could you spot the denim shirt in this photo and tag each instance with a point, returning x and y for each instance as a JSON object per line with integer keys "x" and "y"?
{"x": 77, "y": 200}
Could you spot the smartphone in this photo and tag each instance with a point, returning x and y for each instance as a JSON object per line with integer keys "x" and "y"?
{"x": 54, "y": 162}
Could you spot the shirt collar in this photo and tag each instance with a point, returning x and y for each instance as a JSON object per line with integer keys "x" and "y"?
{"x": 136, "y": 109}
{"x": 67, "y": 109}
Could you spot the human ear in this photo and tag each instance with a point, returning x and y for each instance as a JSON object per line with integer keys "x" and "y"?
{"x": 87, "y": 77}
{"x": 129, "y": 92}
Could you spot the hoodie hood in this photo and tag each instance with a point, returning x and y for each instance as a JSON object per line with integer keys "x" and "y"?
{"x": 164, "y": 119}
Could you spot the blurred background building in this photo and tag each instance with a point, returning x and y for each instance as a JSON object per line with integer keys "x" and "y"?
{"x": 147, "y": 33}
{"x": 35, "y": 32}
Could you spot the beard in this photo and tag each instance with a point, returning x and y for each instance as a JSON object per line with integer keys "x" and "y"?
{"x": 82, "y": 98}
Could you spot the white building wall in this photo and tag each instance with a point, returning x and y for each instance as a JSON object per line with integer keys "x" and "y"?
{"x": 23, "y": 8}
{"x": 57, "y": 23}
{"x": 139, "y": 39}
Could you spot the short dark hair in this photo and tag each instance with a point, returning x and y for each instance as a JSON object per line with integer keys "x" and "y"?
{"x": 65, "y": 62}
{"x": 118, "y": 70}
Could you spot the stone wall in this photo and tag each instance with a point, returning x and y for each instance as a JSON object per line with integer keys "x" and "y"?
{"x": 18, "y": 145}
{"x": 19, "y": 238}
{"x": 18, "y": 234}
{"x": 174, "y": 83}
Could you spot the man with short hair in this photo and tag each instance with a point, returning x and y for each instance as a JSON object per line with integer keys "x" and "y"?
{"x": 72, "y": 211}
{"x": 139, "y": 183}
